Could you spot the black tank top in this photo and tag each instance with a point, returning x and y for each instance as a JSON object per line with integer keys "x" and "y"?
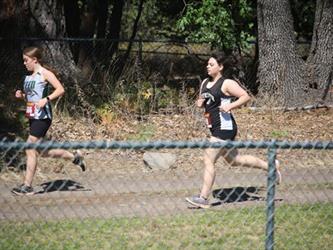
{"x": 223, "y": 124}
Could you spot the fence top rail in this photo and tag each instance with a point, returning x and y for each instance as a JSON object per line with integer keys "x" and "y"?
{"x": 85, "y": 39}
{"x": 20, "y": 145}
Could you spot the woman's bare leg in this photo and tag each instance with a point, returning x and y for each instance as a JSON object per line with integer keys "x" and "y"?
{"x": 59, "y": 153}
{"x": 76, "y": 158}
{"x": 31, "y": 162}
{"x": 210, "y": 157}
{"x": 251, "y": 161}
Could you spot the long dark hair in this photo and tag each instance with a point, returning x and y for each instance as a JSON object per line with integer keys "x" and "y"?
{"x": 229, "y": 63}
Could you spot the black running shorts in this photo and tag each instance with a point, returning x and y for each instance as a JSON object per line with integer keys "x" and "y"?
{"x": 38, "y": 128}
{"x": 224, "y": 134}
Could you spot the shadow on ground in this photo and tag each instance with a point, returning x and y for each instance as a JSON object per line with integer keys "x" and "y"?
{"x": 237, "y": 194}
{"x": 60, "y": 185}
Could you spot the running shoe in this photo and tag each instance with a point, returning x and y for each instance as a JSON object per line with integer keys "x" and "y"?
{"x": 79, "y": 160}
{"x": 198, "y": 201}
{"x": 23, "y": 190}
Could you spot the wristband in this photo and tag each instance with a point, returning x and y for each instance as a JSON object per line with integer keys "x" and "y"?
{"x": 48, "y": 98}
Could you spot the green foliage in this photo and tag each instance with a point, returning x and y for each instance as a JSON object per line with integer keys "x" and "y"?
{"x": 154, "y": 14}
{"x": 134, "y": 96}
{"x": 143, "y": 97}
{"x": 225, "y": 26}
{"x": 144, "y": 132}
{"x": 106, "y": 113}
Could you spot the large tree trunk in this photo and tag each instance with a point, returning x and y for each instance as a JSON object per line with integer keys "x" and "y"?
{"x": 280, "y": 68}
{"x": 320, "y": 60}
{"x": 50, "y": 22}
{"x": 282, "y": 72}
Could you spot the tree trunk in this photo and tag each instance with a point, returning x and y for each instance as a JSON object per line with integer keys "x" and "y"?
{"x": 87, "y": 30}
{"x": 102, "y": 13}
{"x": 320, "y": 60}
{"x": 115, "y": 26}
{"x": 235, "y": 13}
{"x": 72, "y": 16}
{"x": 280, "y": 68}
{"x": 73, "y": 21}
{"x": 12, "y": 24}
{"x": 50, "y": 20}
{"x": 129, "y": 48}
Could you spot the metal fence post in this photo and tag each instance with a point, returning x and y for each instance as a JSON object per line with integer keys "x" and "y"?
{"x": 271, "y": 180}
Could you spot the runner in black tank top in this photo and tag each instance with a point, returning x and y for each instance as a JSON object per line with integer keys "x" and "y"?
{"x": 215, "y": 96}
{"x": 223, "y": 124}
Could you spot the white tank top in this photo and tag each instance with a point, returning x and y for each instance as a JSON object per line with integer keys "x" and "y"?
{"x": 35, "y": 89}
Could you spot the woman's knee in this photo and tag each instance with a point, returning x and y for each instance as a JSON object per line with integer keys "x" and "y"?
{"x": 32, "y": 139}
{"x": 31, "y": 152}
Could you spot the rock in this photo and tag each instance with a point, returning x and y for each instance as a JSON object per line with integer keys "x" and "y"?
{"x": 159, "y": 160}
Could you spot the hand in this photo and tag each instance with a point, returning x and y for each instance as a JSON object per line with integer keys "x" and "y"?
{"x": 41, "y": 103}
{"x": 200, "y": 102}
{"x": 19, "y": 94}
{"x": 225, "y": 107}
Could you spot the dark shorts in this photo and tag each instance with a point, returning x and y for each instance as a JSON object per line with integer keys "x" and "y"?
{"x": 38, "y": 128}
{"x": 225, "y": 134}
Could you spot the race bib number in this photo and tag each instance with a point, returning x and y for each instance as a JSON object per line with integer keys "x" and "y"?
{"x": 30, "y": 111}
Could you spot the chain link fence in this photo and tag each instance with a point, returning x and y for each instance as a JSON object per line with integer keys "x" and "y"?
{"x": 168, "y": 59}
{"x": 132, "y": 195}
{"x": 149, "y": 73}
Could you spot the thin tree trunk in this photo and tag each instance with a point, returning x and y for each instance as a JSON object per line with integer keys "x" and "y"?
{"x": 87, "y": 30}
{"x": 73, "y": 21}
{"x": 120, "y": 65}
{"x": 115, "y": 26}
{"x": 72, "y": 17}
{"x": 135, "y": 29}
{"x": 102, "y": 13}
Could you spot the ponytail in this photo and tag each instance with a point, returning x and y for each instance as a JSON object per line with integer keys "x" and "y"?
{"x": 37, "y": 52}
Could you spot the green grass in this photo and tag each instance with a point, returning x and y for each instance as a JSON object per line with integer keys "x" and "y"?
{"x": 310, "y": 187}
{"x": 143, "y": 133}
{"x": 297, "y": 227}
{"x": 278, "y": 134}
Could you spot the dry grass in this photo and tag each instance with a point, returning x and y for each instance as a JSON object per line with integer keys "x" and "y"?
{"x": 253, "y": 125}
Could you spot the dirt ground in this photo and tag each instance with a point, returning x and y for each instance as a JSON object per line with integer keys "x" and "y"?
{"x": 117, "y": 183}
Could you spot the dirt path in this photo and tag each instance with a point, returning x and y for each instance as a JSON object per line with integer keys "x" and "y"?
{"x": 154, "y": 194}
{"x": 116, "y": 183}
